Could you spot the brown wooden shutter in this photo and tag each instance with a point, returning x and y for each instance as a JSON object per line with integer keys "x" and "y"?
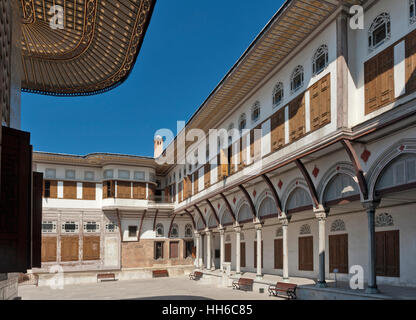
{"x": 232, "y": 156}
{"x": 278, "y": 130}
{"x": 411, "y": 62}
{"x": 91, "y": 248}
{"x": 15, "y": 208}
{"x": 224, "y": 163}
{"x": 255, "y": 254}
{"x": 151, "y": 189}
{"x": 173, "y": 250}
{"x": 49, "y": 246}
{"x": 69, "y": 248}
{"x": 123, "y": 190}
{"x": 388, "y": 254}
{"x": 338, "y": 253}
{"x": 70, "y": 190}
{"x": 37, "y": 220}
{"x": 227, "y": 257}
{"x": 370, "y": 79}
{"x": 278, "y": 253}
{"x": 53, "y": 193}
{"x": 105, "y": 190}
{"x": 207, "y": 175}
{"x": 88, "y": 191}
{"x": 196, "y": 181}
{"x": 255, "y": 143}
{"x": 174, "y": 192}
{"x": 297, "y": 118}
{"x": 243, "y": 254}
{"x": 386, "y": 76}
{"x": 325, "y": 84}
{"x": 139, "y": 191}
{"x": 306, "y": 253}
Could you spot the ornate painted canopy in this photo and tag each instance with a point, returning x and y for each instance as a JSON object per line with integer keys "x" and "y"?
{"x": 94, "y": 52}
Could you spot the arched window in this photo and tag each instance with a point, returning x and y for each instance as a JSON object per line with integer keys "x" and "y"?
{"x": 160, "y": 230}
{"x": 226, "y": 218}
{"x": 230, "y": 133}
{"x": 244, "y": 213}
{"x": 412, "y": 11}
{"x": 174, "y": 232}
{"x": 400, "y": 172}
{"x": 299, "y": 199}
{"x": 278, "y": 94}
{"x": 341, "y": 186}
{"x": 267, "y": 207}
{"x": 297, "y": 79}
{"x": 242, "y": 122}
{"x": 380, "y": 31}
{"x": 255, "y": 112}
{"x": 188, "y": 231}
{"x": 320, "y": 59}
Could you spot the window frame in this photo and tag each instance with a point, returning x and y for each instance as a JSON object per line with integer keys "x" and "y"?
{"x": 322, "y": 50}
{"x": 130, "y": 228}
{"x": 279, "y": 87}
{"x": 255, "y": 112}
{"x": 382, "y": 18}
{"x": 298, "y": 71}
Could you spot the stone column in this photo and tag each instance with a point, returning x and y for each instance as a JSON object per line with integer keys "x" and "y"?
{"x": 259, "y": 274}
{"x": 238, "y": 250}
{"x": 321, "y": 215}
{"x": 198, "y": 249}
{"x": 208, "y": 234}
{"x": 372, "y": 277}
{"x": 285, "y": 225}
{"x": 222, "y": 248}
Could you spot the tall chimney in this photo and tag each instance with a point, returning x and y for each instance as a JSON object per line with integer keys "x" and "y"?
{"x": 158, "y": 146}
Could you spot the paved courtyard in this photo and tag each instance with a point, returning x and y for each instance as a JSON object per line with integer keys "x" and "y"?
{"x": 147, "y": 289}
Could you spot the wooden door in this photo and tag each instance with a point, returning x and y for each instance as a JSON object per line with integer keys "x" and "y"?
{"x": 306, "y": 253}
{"x": 227, "y": 257}
{"x": 388, "y": 253}
{"x": 91, "y": 248}
{"x": 243, "y": 254}
{"x": 49, "y": 246}
{"x": 69, "y": 249}
{"x": 174, "y": 250}
{"x": 338, "y": 253}
{"x": 278, "y": 253}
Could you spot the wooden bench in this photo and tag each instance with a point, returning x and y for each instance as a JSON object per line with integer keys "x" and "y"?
{"x": 243, "y": 284}
{"x": 196, "y": 275}
{"x": 160, "y": 273}
{"x": 282, "y": 288}
{"x": 106, "y": 277}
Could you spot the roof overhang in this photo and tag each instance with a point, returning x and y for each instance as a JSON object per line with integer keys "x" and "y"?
{"x": 93, "y": 53}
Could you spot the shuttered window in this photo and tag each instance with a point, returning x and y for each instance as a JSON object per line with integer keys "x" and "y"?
{"x": 255, "y": 254}
{"x": 243, "y": 254}
{"x": 109, "y": 189}
{"x": 123, "y": 190}
{"x": 255, "y": 143}
{"x": 388, "y": 254}
{"x": 278, "y": 253}
{"x": 50, "y": 189}
{"x": 338, "y": 253}
{"x": 70, "y": 190}
{"x": 91, "y": 248}
{"x": 180, "y": 192}
{"x": 306, "y": 253}
{"x": 243, "y": 152}
{"x": 411, "y": 62}
{"x": 151, "y": 190}
{"x": 174, "y": 250}
{"x": 297, "y": 118}
{"x": 49, "y": 249}
{"x": 196, "y": 182}
{"x": 88, "y": 191}
{"x": 278, "y": 130}
{"x": 379, "y": 80}
{"x": 69, "y": 249}
{"x": 320, "y": 103}
{"x": 139, "y": 191}
{"x": 207, "y": 175}
{"x": 227, "y": 257}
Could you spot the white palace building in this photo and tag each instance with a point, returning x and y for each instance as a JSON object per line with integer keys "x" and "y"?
{"x": 322, "y": 177}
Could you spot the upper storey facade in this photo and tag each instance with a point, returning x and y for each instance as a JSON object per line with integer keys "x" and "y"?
{"x": 339, "y": 82}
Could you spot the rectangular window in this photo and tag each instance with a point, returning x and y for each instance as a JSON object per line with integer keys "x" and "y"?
{"x": 278, "y": 130}
{"x": 91, "y": 227}
{"x": 139, "y": 175}
{"x": 320, "y": 103}
{"x": 70, "y": 174}
{"x": 108, "y": 189}
{"x": 89, "y": 175}
{"x": 48, "y": 227}
{"x": 70, "y": 227}
{"x": 70, "y": 190}
{"x": 108, "y": 174}
{"x": 88, "y": 191}
{"x": 338, "y": 253}
{"x": 47, "y": 189}
{"x": 388, "y": 253}
{"x": 158, "y": 250}
{"x": 124, "y": 174}
{"x": 306, "y": 253}
{"x": 297, "y": 119}
{"x": 139, "y": 191}
{"x": 50, "y": 173}
{"x": 123, "y": 190}
{"x": 50, "y": 189}
{"x": 132, "y": 231}
{"x": 111, "y": 227}
{"x": 188, "y": 249}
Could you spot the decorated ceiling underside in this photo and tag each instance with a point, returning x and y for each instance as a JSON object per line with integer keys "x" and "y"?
{"x": 94, "y": 52}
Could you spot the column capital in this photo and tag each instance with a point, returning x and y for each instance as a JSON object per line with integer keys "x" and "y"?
{"x": 208, "y": 232}
{"x": 258, "y": 226}
{"x": 371, "y": 205}
{"x": 237, "y": 229}
{"x": 321, "y": 213}
{"x": 197, "y": 234}
{"x": 221, "y": 230}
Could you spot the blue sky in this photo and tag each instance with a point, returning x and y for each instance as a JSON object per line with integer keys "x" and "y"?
{"x": 189, "y": 46}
